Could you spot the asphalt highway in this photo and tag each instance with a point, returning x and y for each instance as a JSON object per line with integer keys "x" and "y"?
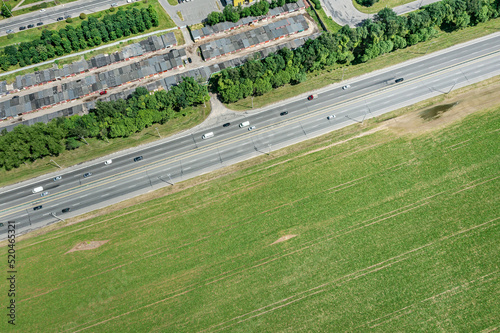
{"x": 190, "y": 155}
{"x": 51, "y": 14}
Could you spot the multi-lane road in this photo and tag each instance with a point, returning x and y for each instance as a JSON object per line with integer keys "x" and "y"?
{"x": 51, "y": 14}
{"x": 190, "y": 155}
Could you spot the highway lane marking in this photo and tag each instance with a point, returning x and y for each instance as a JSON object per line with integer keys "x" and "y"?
{"x": 266, "y": 128}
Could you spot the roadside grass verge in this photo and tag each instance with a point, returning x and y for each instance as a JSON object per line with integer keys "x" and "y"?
{"x": 173, "y": 2}
{"x": 330, "y": 24}
{"x": 393, "y": 230}
{"x": 320, "y": 79}
{"x": 377, "y": 7}
{"x": 98, "y": 148}
{"x": 30, "y": 34}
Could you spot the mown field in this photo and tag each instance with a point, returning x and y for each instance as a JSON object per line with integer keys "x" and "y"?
{"x": 394, "y": 232}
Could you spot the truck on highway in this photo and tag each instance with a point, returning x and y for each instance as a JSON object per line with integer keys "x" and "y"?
{"x": 245, "y": 123}
{"x": 37, "y": 189}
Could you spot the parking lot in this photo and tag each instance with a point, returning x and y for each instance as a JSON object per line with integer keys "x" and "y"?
{"x": 193, "y": 11}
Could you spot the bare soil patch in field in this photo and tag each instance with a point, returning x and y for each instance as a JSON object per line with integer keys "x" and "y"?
{"x": 87, "y": 245}
{"x": 284, "y": 238}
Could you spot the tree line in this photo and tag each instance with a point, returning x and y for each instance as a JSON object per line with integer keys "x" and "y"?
{"x": 233, "y": 14}
{"x": 112, "y": 119}
{"x": 90, "y": 33}
{"x": 385, "y": 33}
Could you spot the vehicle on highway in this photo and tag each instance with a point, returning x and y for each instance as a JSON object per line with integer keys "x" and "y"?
{"x": 44, "y": 193}
{"x": 1, "y": 224}
{"x": 208, "y": 135}
{"x": 114, "y": 4}
{"x": 399, "y": 80}
{"x": 65, "y": 210}
{"x": 311, "y": 97}
{"x": 226, "y": 124}
{"x": 347, "y": 86}
{"x": 88, "y": 174}
{"x": 42, "y": 10}
{"x": 9, "y": 31}
{"x": 22, "y": 28}
{"x": 129, "y": 1}
{"x": 37, "y": 207}
{"x": 104, "y": 92}
{"x": 330, "y": 117}
{"x": 108, "y": 162}
{"x": 57, "y": 178}
{"x": 138, "y": 158}
{"x": 284, "y": 113}
{"x": 67, "y": 16}
{"x": 245, "y": 123}
{"x": 31, "y": 26}
{"x": 60, "y": 18}
{"x": 39, "y": 24}
{"x": 251, "y": 128}
{"x": 37, "y": 189}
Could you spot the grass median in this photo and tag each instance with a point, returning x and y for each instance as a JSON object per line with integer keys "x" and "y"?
{"x": 369, "y": 226}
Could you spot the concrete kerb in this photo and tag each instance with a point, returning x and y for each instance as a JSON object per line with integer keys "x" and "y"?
{"x": 210, "y": 121}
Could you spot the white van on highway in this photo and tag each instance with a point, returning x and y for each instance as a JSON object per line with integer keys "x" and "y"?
{"x": 208, "y": 135}
{"x": 245, "y": 123}
{"x": 108, "y": 162}
{"x": 37, "y": 189}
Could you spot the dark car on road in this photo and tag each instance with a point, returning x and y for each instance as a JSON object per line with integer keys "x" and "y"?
{"x": 65, "y": 210}
{"x": 138, "y": 158}
{"x": 22, "y": 28}
{"x": 284, "y": 113}
{"x": 60, "y": 18}
{"x": 88, "y": 174}
{"x": 226, "y": 124}
{"x": 189, "y": 60}
{"x": 31, "y": 26}
{"x": 399, "y": 80}
{"x": 37, "y": 207}
{"x": 39, "y": 24}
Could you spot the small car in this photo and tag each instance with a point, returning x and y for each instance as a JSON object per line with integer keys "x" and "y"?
{"x": 67, "y": 16}
{"x": 284, "y": 113}
{"x": 251, "y": 128}
{"x": 104, "y": 92}
{"x": 108, "y": 162}
{"x": 114, "y": 4}
{"x": 189, "y": 60}
{"x": 60, "y": 18}
{"x": 138, "y": 158}
{"x": 226, "y": 124}
{"x": 39, "y": 24}
{"x": 22, "y": 28}
{"x": 65, "y": 210}
{"x": 311, "y": 97}
{"x": 37, "y": 207}
{"x": 347, "y": 86}
{"x": 88, "y": 174}
{"x": 57, "y": 178}
{"x": 42, "y": 10}
{"x": 31, "y": 26}
{"x": 330, "y": 117}
{"x": 9, "y": 31}
{"x": 44, "y": 193}
{"x": 399, "y": 80}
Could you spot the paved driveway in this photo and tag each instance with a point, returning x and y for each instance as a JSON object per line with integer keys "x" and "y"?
{"x": 193, "y": 12}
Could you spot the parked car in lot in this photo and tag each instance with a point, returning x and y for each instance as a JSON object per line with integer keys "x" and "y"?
{"x": 57, "y": 178}
{"x": 22, "y": 28}
{"x": 347, "y": 86}
{"x": 330, "y": 117}
{"x": 251, "y": 128}
{"x": 138, "y": 158}
{"x": 65, "y": 210}
{"x": 37, "y": 207}
{"x": 284, "y": 113}
{"x": 189, "y": 60}
{"x": 88, "y": 174}
{"x": 31, "y": 26}
{"x": 39, "y": 24}
{"x": 44, "y": 193}
{"x": 226, "y": 124}
{"x": 104, "y": 92}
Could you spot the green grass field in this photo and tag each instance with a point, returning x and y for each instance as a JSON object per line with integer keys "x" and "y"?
{"x": 394, "y": 232}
